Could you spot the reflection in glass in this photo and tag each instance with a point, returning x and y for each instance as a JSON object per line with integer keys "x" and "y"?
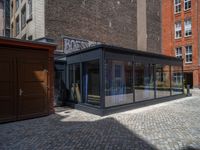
{"x": 74, "y": 80}
{"x": 91, "y": 82}
{"x": 162, "y": 80}
{"x": 118, "y": 84}
{"x": 177, "y": 80}
{"x": 144, "y": 85}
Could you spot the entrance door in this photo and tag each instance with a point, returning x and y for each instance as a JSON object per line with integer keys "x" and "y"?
{"x": 91, "y": 82}
{"x": 60, "y": 90}
{"x": 7, "y": 94}
{"x": 32, "y": 88}
{"x": 188, "y": 77}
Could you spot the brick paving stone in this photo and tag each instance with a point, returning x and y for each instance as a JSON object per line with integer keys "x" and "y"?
{"x": 166, "y": 126}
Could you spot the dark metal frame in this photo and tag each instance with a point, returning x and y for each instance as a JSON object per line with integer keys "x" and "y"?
{"x": 104, "y": 52}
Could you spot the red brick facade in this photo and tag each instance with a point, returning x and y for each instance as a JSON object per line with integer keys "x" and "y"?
{"x": 169, "y": 43}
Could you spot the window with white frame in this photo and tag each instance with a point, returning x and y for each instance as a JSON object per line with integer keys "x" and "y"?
{"x": 23, "y": 17}
{"x": 179, "y": 52}
{"x": 177, "y": 78}
{"x": 177, "y": 6}
{"x": 188, "y": 54}
{"x": 188, "y": 27}
{"x": 30, "y": 8}
{"x": 17, "y": 4}
{"x": 178, "y": 30}
{"x": 11, "y": 9}
{"x": 187, "y": 4}
{"x": 17, "y": 26}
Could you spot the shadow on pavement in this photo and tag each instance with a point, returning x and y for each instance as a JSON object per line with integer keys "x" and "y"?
{"x": 53, "y": 133}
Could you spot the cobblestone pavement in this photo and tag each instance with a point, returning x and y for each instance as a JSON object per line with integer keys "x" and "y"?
{"x": 173, "y": 125}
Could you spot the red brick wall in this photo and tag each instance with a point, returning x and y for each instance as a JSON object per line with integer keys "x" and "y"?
{"x": 167, "y": 27}
{"x": 169, "y": 43}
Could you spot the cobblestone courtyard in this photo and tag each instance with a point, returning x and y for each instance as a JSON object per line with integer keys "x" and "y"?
{"x": 170, "y": 125}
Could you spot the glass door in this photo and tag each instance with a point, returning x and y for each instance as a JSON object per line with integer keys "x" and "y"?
{"x": 91, "y": 82}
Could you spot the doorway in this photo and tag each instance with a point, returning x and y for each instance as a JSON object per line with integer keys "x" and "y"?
{"x": 91, "y": 82}
{"x": 60, "y": 90}
{"x": 188, "y": 79}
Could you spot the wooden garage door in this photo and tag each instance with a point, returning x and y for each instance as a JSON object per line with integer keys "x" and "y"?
{"x": 32, "y": 79}
{"x": 23, "y": 85}
{"x": 7, "y": 89}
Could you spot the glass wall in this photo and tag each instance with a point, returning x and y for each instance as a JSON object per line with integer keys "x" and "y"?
{"x": 74, "y": 82}
{"x": 162, "y": 80}
{"x": 177, "y": 80}
{"x": 119, "y": 82}
{"x": 127, "y": 79}
{"x": 91, "y": 82}
{"x": 144, "y": 82}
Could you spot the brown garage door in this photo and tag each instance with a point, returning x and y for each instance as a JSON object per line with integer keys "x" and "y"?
{"x": 23, "y": 85}
{"x": 7, "y": 94}
{"x": 32, "y": 79}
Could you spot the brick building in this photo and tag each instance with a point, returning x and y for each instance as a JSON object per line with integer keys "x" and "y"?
{"x": 132, "y": 24}
{"x": 181, "y": 36}
{"x": 5, "y": 18}
{"x": 27, "y": 19}
{"x": 1, "y": 17}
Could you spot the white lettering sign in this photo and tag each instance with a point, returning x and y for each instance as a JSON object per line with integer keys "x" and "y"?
{"x": 72, "y": 44}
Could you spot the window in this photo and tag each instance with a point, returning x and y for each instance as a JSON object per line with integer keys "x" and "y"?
{"x": 30, "y": 8}
{"x": 24, "y": 37}
{"x": 187, "y": 4}
{"x": 118, "y": 83}
{"x": 11, "y": 34}
{"x": 17, "y": 26}
{"x": 188, "y": 54}
{"x": 144, "y": 82}
{"x": 17, "y": 4}
{"x": 162, "y": 80}
{"x": 188, "y": 27}
{"x": 177, "y": 80}
{"x": 118, "y": 71}
{"x": 11, "y": 9}
{"x": 177, "y": 6}
{"x": 23, "y": 17}
{"x": 178, "y": 30}
{"x": 179, "y": 52}
{"x": 30, "y": 37}
{"x": 7, "y": 18}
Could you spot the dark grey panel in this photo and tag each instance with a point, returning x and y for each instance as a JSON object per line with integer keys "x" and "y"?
{"x": 118, "y": 56}
{"x": 152, "y": 60}
{"x": 86, "y": 56}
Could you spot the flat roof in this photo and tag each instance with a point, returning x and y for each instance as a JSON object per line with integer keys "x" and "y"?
{"x": 116, "y": 49}
{"x": 25, "y": 43}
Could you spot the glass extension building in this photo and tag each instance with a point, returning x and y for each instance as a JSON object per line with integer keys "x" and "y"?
{"x": 104, "y": 78}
